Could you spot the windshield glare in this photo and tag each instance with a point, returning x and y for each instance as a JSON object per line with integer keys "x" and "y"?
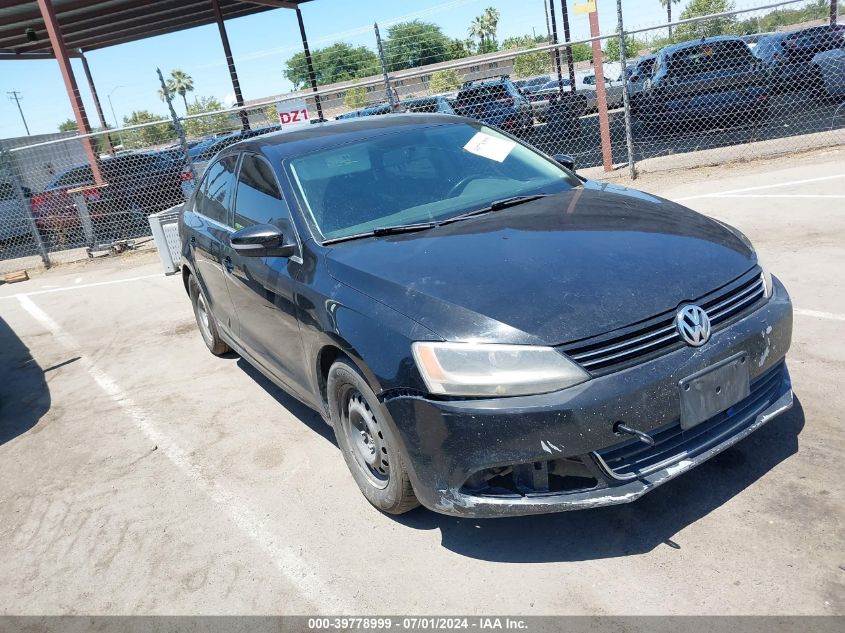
{"x": 419, "y": 175}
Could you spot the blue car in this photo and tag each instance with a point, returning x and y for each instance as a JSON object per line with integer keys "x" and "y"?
{"x": 714, "y": 81}
{"x": 496, "y": 102}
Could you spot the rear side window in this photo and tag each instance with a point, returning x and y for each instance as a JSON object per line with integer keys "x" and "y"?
{"x": 215, "y": 194}
{"x": 710, "y": 56}
{"x": 258, "y": 199}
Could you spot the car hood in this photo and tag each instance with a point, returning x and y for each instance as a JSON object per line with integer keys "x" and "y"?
{"x": 550, "y": 271}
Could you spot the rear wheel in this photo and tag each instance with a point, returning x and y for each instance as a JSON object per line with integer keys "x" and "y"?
{"x": 368, "y": 444}
{"x": 205, "y": 319}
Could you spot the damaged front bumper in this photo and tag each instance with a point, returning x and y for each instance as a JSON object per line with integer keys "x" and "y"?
{"x": 560, "y": 451}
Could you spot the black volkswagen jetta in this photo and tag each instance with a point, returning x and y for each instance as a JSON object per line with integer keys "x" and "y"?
{"x": 487, "y": 333}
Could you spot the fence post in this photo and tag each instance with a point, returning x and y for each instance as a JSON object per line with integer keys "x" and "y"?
{"x": 390, "y": 97}
{"x": 183, "y": 142}
{"x": 626, "y": 97}
{"x": 7, "y": 166}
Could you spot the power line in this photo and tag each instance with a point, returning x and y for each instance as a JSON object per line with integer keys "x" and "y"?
{"x": 15, "y": 96}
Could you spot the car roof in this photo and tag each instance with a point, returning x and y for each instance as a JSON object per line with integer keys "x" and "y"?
{"x": 319, "y": 135}
{"x": 674, "y": 48}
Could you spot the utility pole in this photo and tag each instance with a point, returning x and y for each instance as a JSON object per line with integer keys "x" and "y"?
{"x": 570, "y": 64}
{"x": 15, "y": 96}
{"x": 557, "y": 49}
{"x": 390, "y": 96}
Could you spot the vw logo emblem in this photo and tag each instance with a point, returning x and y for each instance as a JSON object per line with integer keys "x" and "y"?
{"x": 693, "y": 325}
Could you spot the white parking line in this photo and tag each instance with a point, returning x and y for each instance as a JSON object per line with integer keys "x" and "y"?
{"x": 302, "y": 574}
{"x": 79, "y": 286}
{"x": 719, "y": 194}
{"x": 820, "y": 315}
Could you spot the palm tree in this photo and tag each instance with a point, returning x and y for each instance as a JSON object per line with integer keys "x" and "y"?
{"x": 668, "y": 4}
{"x": 478, "y": 28}
{"x": 490, "y": 19}
{"x": 180, "y": 83}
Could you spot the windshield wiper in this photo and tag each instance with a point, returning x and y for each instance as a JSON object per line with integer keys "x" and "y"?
{"x": 384, "y": 230}
{"x": 496, "y": 205}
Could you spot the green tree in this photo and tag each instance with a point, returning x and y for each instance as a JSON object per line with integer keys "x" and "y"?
{"x": 211, "y": 123}
{"x": 611, "y": 49}
{"x": 355, "y": 98}
{"x": 444, "y": 81}
{"x": 484, "y": 28}
{"x": 458, "y": 49}
{"x": 68, "y": 126}
{"x": 180, "y": 83}
{"x": 528, "y": 64}
{"x": 339, "y": 62}
{"x": 582, "y": 52}
{"x": 416, "y": 43}
{"x": 705, "y": 28}
{"x": 149, "y": 135}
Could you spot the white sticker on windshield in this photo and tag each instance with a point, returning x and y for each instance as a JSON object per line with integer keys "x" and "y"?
{"x": 490, "y": 147}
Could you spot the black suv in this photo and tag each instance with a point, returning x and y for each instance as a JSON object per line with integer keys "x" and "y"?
{"x": 788, "y": 57}
{"x": 495, "y": 102}
{"x": 711, "y": 81}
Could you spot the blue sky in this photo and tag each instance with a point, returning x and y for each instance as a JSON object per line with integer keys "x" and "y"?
{"x": 260, "y": 44}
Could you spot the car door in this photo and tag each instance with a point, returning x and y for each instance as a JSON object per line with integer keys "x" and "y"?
{"x": 263, "y": 289}
{"x": 209, "y": 240}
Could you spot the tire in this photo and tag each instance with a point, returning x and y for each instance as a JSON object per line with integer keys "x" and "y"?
{"x": 206, "y": 322}
{"x": 368, "y": 444}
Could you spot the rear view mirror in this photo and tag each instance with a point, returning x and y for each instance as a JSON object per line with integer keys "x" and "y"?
{"x": 261, "y": 240}
{"x": 566, "y": 160}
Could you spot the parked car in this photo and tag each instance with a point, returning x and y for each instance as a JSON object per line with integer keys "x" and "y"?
{"x": 585, "y": 85}
{"x": 435, "y": 103}
{"x": 532, "y": 84}
{"x": 486, "y": 333}
{"x": 829, "y": 70}
{"x": 14, "y": 216}
{"x": 789, "y": 57}
{"x": 495, "y": 102}
{"x": 203, "y": 152}
{"x": 640, "y": 71}
{"x": 714, "y": 81}
{"x": 136, "y": 183}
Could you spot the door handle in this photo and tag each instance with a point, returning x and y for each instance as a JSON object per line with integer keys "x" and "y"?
{"x": 227, "y": 264}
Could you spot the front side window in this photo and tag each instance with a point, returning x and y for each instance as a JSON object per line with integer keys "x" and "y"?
{"x": 258, "y": 199}
{"x": 418, "y": 175}
{"x": 215, "y": 193}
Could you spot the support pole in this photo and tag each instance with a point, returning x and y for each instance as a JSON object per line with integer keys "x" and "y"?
{"x": 99, "y": 108}
{"x": 230, "y": 62}
{"x": 312, "y": 76}
{"x": 387, "y": 89}
{"x": 60, "y": 51}
{"x": 626, "y": 98}
{"x": 557, "y": 49}
{"x": 570, "y": 64}
{"x": 834, "y": 12}
{"x": 601, "y": 94}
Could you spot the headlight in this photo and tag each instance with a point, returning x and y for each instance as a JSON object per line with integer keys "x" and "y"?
{"x": 768, "y": 288}
{"x": 478, "y": 369}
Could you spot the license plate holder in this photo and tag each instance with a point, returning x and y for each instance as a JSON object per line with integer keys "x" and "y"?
{"x": 713, "y": 390}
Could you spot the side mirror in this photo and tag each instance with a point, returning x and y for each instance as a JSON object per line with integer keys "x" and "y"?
{"x": 261, "y": 240}
{"x": 566, "y": 160}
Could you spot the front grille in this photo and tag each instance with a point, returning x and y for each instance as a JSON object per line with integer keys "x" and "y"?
{"x": 671, "y": 443}
{"x": 653, "y": 337}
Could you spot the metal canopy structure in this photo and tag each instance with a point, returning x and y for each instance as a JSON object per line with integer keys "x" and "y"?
{"x": 62, "y": 29}
{"x": 94, "y": 24}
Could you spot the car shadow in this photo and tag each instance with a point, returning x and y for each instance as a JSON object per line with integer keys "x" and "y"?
{"x": 24, "y": 394}
{"x": 303, "y": 413}
{"x": 627, "y": 529}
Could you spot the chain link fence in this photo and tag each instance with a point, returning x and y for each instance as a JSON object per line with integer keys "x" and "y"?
{"x": 750, "y": 82}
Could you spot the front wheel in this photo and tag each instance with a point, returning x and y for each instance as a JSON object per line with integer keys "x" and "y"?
{"x": 368, "y": 444}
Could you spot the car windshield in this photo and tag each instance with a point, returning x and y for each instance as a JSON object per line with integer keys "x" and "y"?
{"x": 411, "y": 176}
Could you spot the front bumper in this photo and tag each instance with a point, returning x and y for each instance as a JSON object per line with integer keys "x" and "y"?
{"x": 448, "y": 443}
